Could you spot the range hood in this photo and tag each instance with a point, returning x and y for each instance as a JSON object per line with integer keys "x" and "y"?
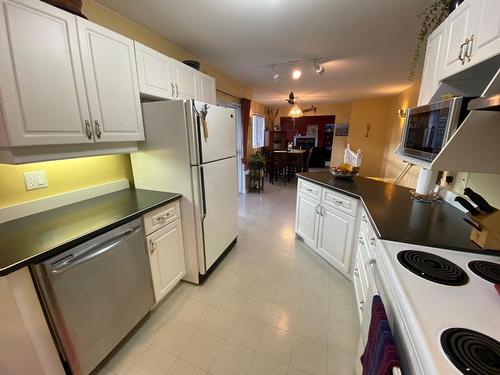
{"x": 490, "y": 103}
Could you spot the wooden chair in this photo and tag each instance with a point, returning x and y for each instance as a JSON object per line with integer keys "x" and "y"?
{"x": 279, "y": 167}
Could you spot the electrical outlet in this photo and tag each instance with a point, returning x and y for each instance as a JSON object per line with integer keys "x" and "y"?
{"x": 462, "y": 179}
{"x": 35, "y": 180}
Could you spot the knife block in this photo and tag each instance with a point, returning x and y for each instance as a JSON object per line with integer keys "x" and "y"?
{"x": 489, "y": 235}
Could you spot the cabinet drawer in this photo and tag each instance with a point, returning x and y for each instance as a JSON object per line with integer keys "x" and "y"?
{"x": 309, "y": 189}
{"x": 161, "y": 216}
{"x": 340, "y": 201}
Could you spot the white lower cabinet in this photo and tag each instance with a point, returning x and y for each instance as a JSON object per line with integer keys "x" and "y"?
{"x": 307, "y": 219}
{"x": 336, "y": 230}
{"x": 166, "y": 257}
{"x": 327, "y": 229}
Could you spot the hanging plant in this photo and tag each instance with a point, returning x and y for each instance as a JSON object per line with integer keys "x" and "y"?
{"x": 430, "y": 18}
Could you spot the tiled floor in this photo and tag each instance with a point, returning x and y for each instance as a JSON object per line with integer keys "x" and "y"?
{"x": 272, "y": 307}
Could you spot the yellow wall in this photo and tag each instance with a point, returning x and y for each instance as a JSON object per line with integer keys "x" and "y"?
{"x": 392, "y": 165}
{"x": 62, "y": 176}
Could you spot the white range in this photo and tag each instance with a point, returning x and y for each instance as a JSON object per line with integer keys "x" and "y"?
{"x": 432, "y": 321}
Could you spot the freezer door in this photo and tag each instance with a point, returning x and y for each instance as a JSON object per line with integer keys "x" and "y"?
{"x": 218, "y": 208}
{"x": 216, "y": 132}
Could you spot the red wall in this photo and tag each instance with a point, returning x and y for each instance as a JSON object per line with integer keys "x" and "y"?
{"x": 301, "y": 123}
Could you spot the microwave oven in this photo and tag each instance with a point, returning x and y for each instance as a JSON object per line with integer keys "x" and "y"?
{"x": 429, "y": 127}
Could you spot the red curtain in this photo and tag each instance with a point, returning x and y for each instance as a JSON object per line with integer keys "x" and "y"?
{"x": 245, "y": 116}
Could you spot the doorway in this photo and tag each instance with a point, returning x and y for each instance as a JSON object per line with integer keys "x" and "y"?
{"x": 239, "y": 145}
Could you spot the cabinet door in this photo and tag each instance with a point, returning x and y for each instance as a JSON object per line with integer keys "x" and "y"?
{"x": 41, "y": 79}
{"x": 166, "y": 255}
{"x": 461, "y": 24}
{"x": 358, "y": 289}
{"x": 306, "y": 219}
{"x": 153, "y": 69}
{"x": 184, "y": 79}
{"x": 336, "y": 230}
{"x": 430, "y": 76}
{"x": 487, "y": 43}
{"x": 111, "y": 79}
{"x": 206, "y": 92}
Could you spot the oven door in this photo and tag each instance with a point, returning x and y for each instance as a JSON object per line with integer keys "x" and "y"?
{"x": 428, "y": 128}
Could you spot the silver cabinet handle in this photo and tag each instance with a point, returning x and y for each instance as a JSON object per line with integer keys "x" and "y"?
{"x": 361, "y": 241}
{"x": 356, "y": 272}
{"x": 318, "y": 209}
{"x": 462, "y": 53}
{"x": 153, "y": 246}
{"x": 172, "y": 87}
{"x": 176, "y": 90}
{"x": 338, "y": 203}
{"x": 98, "y": 132}
{"x": 361, "y": 305}
{"x": 372, "y": 241}
{"x": 88, "y": 129}
{"x": 468, "y": 49}
{"x": 322, "y": 211}
{"x": 371, "y": 261}
{"x": 309, "y": 190}
{"x": 363, "y": 219}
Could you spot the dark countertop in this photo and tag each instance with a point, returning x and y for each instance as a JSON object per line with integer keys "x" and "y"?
{"x": 32, "y": 238}
{"x": 398, "y": 218}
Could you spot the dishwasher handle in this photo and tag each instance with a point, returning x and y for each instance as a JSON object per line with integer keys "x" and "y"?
{"x": 94, "y": 251}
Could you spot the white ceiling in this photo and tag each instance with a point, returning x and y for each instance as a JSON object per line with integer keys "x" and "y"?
{"x": 370, "y": 41}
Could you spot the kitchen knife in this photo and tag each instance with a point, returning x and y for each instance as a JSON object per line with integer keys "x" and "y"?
{"x": 471, "y": 223}
{"x": 466, "y": 204}
{"x": 479, "y": 200}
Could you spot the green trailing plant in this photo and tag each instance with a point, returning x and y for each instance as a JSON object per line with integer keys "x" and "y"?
{"x": 256, "y": 161}
{"x": 431, "y": 17}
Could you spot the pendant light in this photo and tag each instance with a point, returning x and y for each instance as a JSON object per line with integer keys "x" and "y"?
{"x": 295, "y": 111}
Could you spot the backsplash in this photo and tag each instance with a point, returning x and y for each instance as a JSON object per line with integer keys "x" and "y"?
{"x": 62, "y": 176}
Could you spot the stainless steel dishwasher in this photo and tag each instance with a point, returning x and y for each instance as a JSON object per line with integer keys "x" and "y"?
{"x": 96, "y": 293}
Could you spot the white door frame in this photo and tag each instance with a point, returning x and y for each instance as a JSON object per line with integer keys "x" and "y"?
{"x": 239, "y": 144}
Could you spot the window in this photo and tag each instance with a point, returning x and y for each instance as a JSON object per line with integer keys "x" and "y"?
{"x": 258, "y": 127}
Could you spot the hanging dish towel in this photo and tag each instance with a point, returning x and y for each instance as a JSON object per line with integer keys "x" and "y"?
{"x": 381, "y": 355}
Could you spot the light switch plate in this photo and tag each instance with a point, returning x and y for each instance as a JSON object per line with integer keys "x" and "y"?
{"x": 35, "y": 180}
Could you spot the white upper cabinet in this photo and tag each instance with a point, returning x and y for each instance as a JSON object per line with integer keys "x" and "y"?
{"x": 206, "y": 89}
{"x": 111, "y": 80}
{"x": 184, "y": 79}
{"x": 430, "y": 75}
{"x": 153, "y": 69}
{"x": 487, "y": 43}
{"x": 461, "y": 26}
{"x": 42, "y": 89}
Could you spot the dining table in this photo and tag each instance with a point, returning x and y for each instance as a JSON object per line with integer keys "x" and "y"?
{"x": 295, "y": 158}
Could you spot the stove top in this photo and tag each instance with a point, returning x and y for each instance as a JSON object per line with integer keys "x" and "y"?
{"x": 487, "y": 270}
{"x": 471, "y": 352}
{"x": 433, "y": 267}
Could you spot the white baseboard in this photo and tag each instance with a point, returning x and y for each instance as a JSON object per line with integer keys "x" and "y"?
{"x": 54, "y": 201}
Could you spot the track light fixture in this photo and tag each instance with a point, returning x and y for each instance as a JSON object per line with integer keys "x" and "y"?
{"x": 276, "y": 75}
{"x": 296, "y": 65}
{"x": 318, "y": 68}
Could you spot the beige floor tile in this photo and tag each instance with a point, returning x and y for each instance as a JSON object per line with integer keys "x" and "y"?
{"x": 340, "y": 362}
{"x": 183, "y": 368}
{"x": 296, "y": 371}
{"x": 150, "y": 329}
{"x": 245, "y": 332}
{"x": 153, "y": 362}
{"x": 209, "y": 292}
{"x": 313, "y": 327}
{"x": 344, "y": 313}
{"x": 317, "y": 286}
{"x": 231, "y": 300}
{"x": 315, "y": 304}
{"x": 241, "y": 283}
{"x": 262, "y": 365}
{"x": 290, "y": 297}
{"x": 201, "y": 350}
{"x": 218, "y": 322}
{"x": 173, "y": 336}
{"x": 264, "y": 289}
{"x": 127, "y": 356}
{"x": 276, "y": 344}
{"x": 343, "y": 337}
{"x": 192, "y": 312}
{"x": 309, "y": 355}
{"x": 282, "y": 317}
{"x": 231, "y": 360}
{"x": 255, "y": 308}
{"x": 341, "y": 292}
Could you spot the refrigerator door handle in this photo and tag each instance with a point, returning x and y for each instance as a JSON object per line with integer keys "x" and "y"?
{"x": 202, "y": 192}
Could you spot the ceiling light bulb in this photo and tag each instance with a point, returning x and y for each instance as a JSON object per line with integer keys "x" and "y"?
{"x": 275, "y": 76}
{"x": 296, "y": 74}
{"x": 320, "y": 69}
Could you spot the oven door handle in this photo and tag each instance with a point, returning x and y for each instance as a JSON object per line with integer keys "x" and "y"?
{"x": 93, "y": 252}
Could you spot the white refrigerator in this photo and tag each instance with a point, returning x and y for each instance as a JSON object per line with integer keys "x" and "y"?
{"x": 190, "y": 148}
